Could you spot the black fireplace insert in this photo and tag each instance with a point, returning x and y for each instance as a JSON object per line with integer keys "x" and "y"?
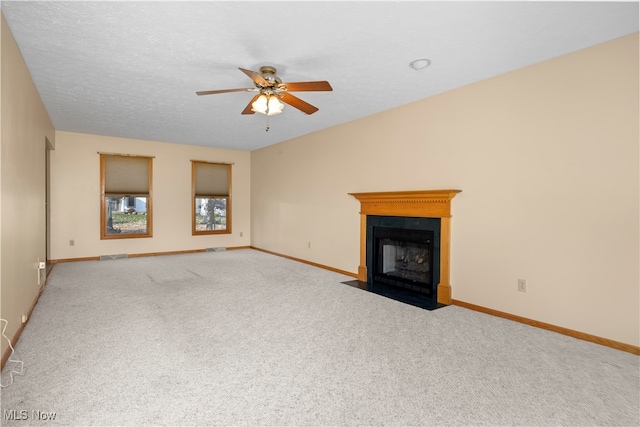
{"x": 403, "y": 258}
{"x": 404, "y": 253}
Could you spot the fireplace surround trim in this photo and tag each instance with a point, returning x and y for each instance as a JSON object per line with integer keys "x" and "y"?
{"x": 420, "y": 203}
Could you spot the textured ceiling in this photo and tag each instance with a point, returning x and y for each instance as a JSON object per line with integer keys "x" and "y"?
{"x": 131, "y": 69}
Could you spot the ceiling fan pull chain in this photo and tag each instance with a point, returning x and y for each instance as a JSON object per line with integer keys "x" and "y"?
{"x": 267, "y": 128}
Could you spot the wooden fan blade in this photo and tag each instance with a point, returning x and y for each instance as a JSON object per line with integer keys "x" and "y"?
{"x": 256, "y": 77}
{"x": 298, "y": 103}
{"x": 247, "y": 109}
{"x": 306, "y": 86}
{"x": 212, "y": 92}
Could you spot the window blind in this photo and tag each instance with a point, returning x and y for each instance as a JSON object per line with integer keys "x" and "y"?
{"x": 211, "y": 179}
{"x": 126, "y": 175}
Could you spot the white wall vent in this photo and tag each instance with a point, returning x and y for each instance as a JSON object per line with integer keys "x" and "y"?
{"x": 116, "y": 256}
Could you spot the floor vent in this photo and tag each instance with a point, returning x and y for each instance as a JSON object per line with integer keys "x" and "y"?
{"x": 219, "y": 249}
{"x": 116, "y": 256}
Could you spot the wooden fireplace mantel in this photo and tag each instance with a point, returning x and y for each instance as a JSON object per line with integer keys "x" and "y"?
{"x": 421, "y": 203}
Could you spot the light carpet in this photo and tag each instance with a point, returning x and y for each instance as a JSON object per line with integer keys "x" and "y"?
{"x": 250, "y": 339}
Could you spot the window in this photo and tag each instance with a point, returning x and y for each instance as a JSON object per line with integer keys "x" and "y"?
{"x": 211, "y": 201}
{"x": 131, "y": 203}
{"x": 125, "y": 199}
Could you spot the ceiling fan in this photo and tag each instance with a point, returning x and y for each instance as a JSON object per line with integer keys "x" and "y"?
{"x": 271, "y": 90}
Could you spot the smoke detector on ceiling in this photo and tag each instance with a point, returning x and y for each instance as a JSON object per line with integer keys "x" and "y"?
{"x": 419, "y": 64}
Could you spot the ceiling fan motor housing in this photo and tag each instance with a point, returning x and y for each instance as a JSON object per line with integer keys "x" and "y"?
{"x": 269, "y": 74}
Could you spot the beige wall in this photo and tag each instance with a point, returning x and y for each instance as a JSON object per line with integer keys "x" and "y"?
{"x": 546, "y": 158}
{"x": 25, "y": 127}
{"x": 75, "y": 197}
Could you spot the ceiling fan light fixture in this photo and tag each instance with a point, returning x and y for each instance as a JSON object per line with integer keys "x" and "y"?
{"x": 419, "y": 64}
{"x": 274, "y": 106}
{"x": 267, "y": 104}
{"x": 260, "y": 105}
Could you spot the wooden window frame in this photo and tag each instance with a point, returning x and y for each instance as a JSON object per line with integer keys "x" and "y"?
{"x": 227, "y": 230}
{"x": 104, "y": 195}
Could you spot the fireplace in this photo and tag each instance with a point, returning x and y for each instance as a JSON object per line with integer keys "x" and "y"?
{"x": 423, "y": 220}
{"x": 403, "y": 259}
{"x": 404, "y": 252}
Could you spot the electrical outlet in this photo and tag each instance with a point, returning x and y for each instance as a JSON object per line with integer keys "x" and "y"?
{"x": 72, "y": 242}
{"x": 25, "y": 318}
{"x": 522, "y": 285}
{"x": 42, "y": 265}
